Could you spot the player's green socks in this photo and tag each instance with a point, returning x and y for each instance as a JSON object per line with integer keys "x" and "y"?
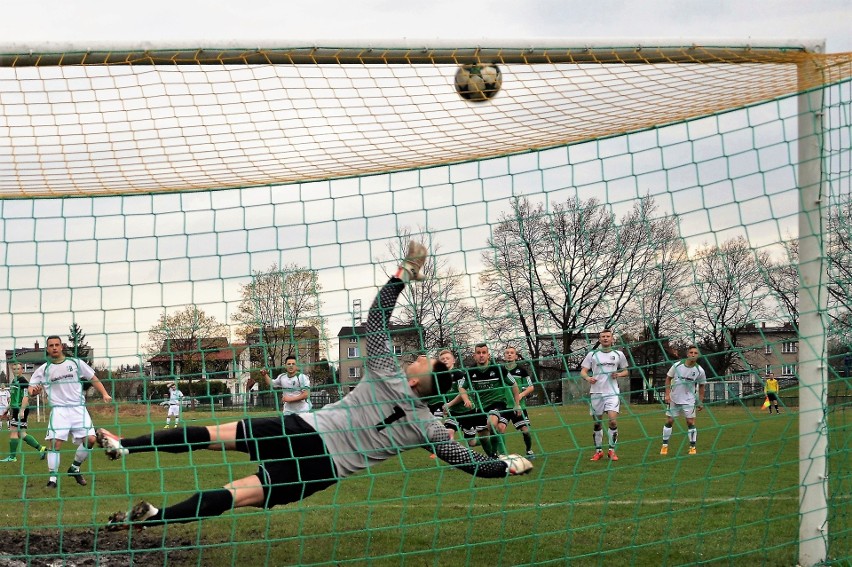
{"x": 485, "y": 441}
{"x": 13, "y": 447}
{"x": 31, "y": 441}
{"x": 497, "y": 443}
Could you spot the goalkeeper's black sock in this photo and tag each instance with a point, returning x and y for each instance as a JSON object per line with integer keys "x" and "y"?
{"x": 169, "y": 440}
{"x": 200, "y": 505}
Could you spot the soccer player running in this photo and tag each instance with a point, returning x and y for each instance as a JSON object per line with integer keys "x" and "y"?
{"x": 681, "y": 380}
{"x": 61, "y": 378}
{"x": 174, "y": 402}
{"x": 20, "y": 411}
{"x": 522, "y": 378}
{"x": 300, "y": 454}
{"x": 487, "y": 383}
{"x": 296, "y": 385}
{"x": 770, "y": 388}
{"x": 600, "y": 368}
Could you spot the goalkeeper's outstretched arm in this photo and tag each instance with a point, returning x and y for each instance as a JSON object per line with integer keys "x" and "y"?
{"x": 472, "y": 462}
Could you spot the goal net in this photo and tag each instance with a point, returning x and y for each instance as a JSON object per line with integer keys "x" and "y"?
{"x": 195, "y": 216}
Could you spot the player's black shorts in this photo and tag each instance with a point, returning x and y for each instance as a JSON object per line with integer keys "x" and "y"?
{"x": 19, "y": 423}
{"x": 498, "y": 409}
{"x": 517, "y": 420}
{"x": 437, "y": 409}
{"x": 772, "y": 396}
{"x": 293, "y": 460}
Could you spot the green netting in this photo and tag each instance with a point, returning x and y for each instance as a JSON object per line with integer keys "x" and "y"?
{"x": 672, "y": 236}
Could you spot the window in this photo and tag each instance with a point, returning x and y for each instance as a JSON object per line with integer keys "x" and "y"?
{"x": 397, "y": 349}
{"x": 768, "y": 369}
{"x": 353, "y": 352}
{"x": 790, "y": 347}
{"x": 767, "y": 349}
{"x": 354, "y": 372}
{"x": 788, "y": 370}
{"x": 353, "y": 340}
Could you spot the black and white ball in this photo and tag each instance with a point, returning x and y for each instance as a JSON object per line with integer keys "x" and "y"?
{"x": 478, "y": 83}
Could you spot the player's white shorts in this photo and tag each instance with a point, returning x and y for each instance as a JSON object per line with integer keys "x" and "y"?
{"x": 600, "y": 404}
{"x": 3, "y": 409}
{"x": 174, "y": 410}
{"x": 74, "y": 420}
{"x": 674, "y": 410}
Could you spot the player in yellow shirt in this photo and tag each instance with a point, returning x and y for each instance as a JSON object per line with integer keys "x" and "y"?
{"x": 770, "y": 387}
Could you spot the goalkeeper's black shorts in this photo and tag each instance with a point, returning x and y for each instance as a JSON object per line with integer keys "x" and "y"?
{"x": 293, "y": 460}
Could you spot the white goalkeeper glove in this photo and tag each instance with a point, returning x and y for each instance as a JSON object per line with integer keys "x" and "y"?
{"x": 412, "y": 266}
{"x": 516, "y": 464}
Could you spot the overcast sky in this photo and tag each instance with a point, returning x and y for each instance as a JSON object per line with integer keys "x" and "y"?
{"x": 279, "y": 24}
{"x": 158, "y": 20}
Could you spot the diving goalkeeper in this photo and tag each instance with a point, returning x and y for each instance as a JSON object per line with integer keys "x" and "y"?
{"x": 300, "y": 454}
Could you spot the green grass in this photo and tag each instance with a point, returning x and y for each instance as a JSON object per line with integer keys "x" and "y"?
{"x": 733, "y": 503}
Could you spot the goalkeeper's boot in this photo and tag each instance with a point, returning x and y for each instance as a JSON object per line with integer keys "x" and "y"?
{"x": 142, "y": 511}
{"x": 111, "y": 444}
{"x": 414, "y": 261}
{"x": 74, "y": 472}
{"x": 117, "y": 521}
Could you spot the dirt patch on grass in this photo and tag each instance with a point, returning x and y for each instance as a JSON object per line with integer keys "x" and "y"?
{"x": 79, "y": 548}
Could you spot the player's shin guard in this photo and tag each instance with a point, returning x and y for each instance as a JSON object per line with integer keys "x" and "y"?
{"x": 31, "y": 441}
{"x": 613, "y": 436}
{"x": 693, "y": 434}
{"x": 53, "y": 461}
{"x": 667, "y": 434}
{"x": 200, "y": 505}
{"x": 598, "y": 437}
{"x": 81, "y": 454}
{"x": 169, "y": 440}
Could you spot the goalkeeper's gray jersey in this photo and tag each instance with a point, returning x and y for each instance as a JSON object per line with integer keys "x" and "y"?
{"x": 382, "y": 415}
{"x": 377, "y": 420}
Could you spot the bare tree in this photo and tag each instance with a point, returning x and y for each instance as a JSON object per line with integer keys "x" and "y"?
{"x": 184, "y": 337}
{"x": 730, "y": 293}
{"x": 553, "y": 275}
{"x": 275, "y": 306}
{"x": 839, "y": 252}
{"x": 782, "y": 278}
{"x": 660, "y": 307}
{"x": 438, "y": 305}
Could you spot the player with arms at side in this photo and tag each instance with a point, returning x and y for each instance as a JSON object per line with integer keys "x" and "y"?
{"x": 174, "y": 403}
{"x": 681, "y": 380}
{"x": 296, "y": 387}
{"x": 601, "y": 368}
{"x": 523, "y": 379}
{"x": 487, "y": 384}
{"x": 770, "y": 388}
{"x": 20, "y": 411}
{"x": 61, "y": 378}
{"x": 300, "y": 454}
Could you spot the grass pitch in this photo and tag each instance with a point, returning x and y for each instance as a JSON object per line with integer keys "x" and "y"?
{"x": 735, "y": 502}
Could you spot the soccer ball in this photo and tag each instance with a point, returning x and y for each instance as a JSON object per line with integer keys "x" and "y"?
{"x": 478, "y": 83}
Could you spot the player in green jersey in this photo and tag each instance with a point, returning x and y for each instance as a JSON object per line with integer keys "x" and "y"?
{"x": 487, "y": 384}
{"x": 19, "y": 408}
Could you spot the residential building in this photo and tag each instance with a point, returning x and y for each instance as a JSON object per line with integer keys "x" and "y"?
{"x": 32, "y": 358}
{"x": 352, "y": 345}
{"x": 270, "y": 346}
{"x": 212, "y": 358}
{"x": 767, "y": 348}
